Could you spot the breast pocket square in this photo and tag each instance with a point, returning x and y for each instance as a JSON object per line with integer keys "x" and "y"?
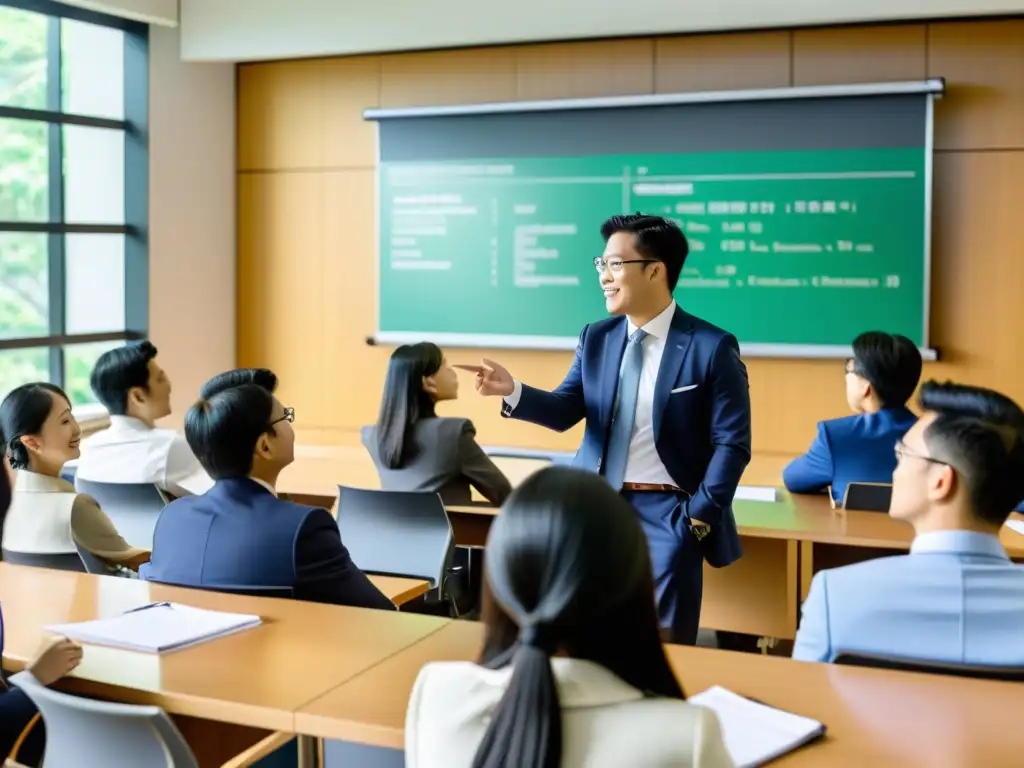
{"x": 677, "y": 390}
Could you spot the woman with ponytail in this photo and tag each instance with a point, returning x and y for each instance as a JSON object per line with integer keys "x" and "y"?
{"x": 572, "y": 671}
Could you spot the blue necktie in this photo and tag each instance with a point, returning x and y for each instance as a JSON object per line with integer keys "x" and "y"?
{"x": 625, "y": 410}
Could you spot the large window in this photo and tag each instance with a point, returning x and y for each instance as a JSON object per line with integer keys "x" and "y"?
{"x": 73, "y": 191}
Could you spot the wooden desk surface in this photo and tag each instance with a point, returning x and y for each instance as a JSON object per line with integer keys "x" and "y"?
{"x": 400, "y": 590}
{"x": 256, "y": 678}
{"x": 873, "y": 717}
{"x": 811, "y": 518}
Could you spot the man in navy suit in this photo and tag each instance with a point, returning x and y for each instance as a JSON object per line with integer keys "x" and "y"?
{"x": 880, "y": 378}
{"x": 666, "y": 404}
{"x": 239, "y": 533}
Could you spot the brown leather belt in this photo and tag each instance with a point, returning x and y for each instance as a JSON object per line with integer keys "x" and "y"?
{"x": 662, "y": 487}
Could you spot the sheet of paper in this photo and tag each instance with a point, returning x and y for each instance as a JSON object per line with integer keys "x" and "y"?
{"x": 755, "y": 733}
{"x": 1016, "y": 526}
{"x": 157, "y": 629}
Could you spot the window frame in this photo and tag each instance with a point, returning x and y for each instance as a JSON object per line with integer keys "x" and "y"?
{"x": 135, "y": 228}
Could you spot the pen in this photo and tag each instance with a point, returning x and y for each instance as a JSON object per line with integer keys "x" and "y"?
{"x": 146, "y": 607}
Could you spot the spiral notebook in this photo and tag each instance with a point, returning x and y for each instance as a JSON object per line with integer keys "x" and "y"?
{"x": 754, "y": 733}
{"x": 158, "y": 628}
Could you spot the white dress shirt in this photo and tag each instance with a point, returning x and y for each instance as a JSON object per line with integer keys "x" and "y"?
{"x": 643, "y": 465}
{"x": 131, "y": 452}
{"x": 606, "y": 723}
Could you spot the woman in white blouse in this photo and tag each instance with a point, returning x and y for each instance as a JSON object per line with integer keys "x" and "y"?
{"x": 572, "y": 671}
{"x": 47, "y": 516}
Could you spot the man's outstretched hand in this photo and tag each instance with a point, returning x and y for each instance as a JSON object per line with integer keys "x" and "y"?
{"x": 491, "y": 378}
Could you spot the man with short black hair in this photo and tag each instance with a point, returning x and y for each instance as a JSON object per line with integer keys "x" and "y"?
{"x": 957, "y": 596}
{"x": 239, "y": 533}
{"x": 136, "y": 392}
{"x": 880, "y": 378}
{"x": 666, "y": 404}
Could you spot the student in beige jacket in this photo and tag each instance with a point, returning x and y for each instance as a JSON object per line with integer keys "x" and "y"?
{"x": 572, "y": 671}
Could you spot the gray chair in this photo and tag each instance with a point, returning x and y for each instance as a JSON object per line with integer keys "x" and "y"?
{"x": 85, "y": 733}
{"x": 68, "y": 562}
{"x": 400, "y": 533}
{"x": 868, "y": 497}
{"x": 876, "y": 661}
{"x": 132, "y": 508}
{"x": 94, "y": 565}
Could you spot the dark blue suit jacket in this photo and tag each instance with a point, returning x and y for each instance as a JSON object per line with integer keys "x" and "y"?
{"x": 858, "y": 448}
{"x": 238, "y": 534}
{"x": 702, "y": 434}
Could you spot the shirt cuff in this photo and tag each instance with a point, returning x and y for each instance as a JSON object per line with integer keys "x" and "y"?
{"x": 517, "y": 392}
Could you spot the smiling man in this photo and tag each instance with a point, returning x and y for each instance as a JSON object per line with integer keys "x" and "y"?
{"x": 666, "y": 403}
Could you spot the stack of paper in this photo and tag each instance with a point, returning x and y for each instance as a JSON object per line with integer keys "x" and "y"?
{"x": 158, "y": 628}
{"x": 755, "y": 733}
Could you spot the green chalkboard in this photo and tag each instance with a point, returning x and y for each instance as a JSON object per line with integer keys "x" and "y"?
{"x": 794, "y": 249}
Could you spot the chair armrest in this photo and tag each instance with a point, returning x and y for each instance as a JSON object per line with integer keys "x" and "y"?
{"x": 259, "y": 750}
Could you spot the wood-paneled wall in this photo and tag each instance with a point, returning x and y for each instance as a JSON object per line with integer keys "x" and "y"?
{"x": 306, "y": 261}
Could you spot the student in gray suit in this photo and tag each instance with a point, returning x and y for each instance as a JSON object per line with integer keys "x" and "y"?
{"x": 956, "y": 597}
{"x": 416, "y": 450}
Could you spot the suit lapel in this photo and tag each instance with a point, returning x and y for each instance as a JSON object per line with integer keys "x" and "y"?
{"x": 678, "y": 341}
{"x": 611, "y": 361}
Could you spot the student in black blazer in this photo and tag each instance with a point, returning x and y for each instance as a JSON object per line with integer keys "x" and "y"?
{"x": 415, "y": 449}
{"x": 20, "y": 725}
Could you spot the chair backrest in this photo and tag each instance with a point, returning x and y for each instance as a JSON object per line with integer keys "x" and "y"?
{"x": 868, "y": 497}
{"x": 133, "y": 508}
{"x": 91, "y": 563}
{"x": 397, "y": 533}
{"x": 249, "y": 590}
{"x": 68, "y": 562}
{"x": 877, "y": 661}
{"x": 85, "y": 733}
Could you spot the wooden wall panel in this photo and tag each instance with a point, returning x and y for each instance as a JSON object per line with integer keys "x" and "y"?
{"x": 281, "y": 315}
{"x": 983, "y": 63}
{"x": 722, "y": 62}
{"x": 448, "y": 77}
{"x": 349, "y": 87}
{"x": 578, "y": 70}
{"x": 307, "y": 254}
{"x": 978, "y": 269}
{"x": 279, "y": 115}
{"x": 859, "y": 55}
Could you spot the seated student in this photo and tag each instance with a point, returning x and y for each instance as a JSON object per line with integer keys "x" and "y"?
{"x": 572, "y": 671}
{"x": 239, "y": 533}
{"x": 47, "y": 516}
{"x": 880, "y": 378}
{"x": 19, "y": 720}
{"x": 413, "y": 448}
{"x": 262, "y": 377}
{"x": 136, "y": 391}
{"x": 956, "y": 597}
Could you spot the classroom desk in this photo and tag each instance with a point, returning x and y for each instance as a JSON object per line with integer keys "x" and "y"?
{"x": 256, "y": 678}
{"x": 874, "y": 717}
{"x": 399, "y": 590}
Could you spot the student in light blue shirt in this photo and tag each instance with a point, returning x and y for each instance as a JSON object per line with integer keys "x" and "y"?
{"x": 956, "y": 597}
{"x": 880, "y": 378}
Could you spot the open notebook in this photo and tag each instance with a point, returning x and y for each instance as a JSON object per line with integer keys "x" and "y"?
{"x": 755, "y": 733}
{"x": 157, "y": 628}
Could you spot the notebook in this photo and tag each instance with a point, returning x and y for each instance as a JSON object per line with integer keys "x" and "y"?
{"x": 157, "y": 628}
{"x": 755, "y": 733}
{"x": 1016, "y": 525}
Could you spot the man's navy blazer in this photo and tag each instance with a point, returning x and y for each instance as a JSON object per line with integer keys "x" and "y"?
{"x": 239, "y": 534}
{"x": 701, "y": 415}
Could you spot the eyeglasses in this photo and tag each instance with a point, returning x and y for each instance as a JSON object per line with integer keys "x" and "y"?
{"x": 289, "y": 416}
{"x": 902, "y": 451}
{"x": 615, "y": 265}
